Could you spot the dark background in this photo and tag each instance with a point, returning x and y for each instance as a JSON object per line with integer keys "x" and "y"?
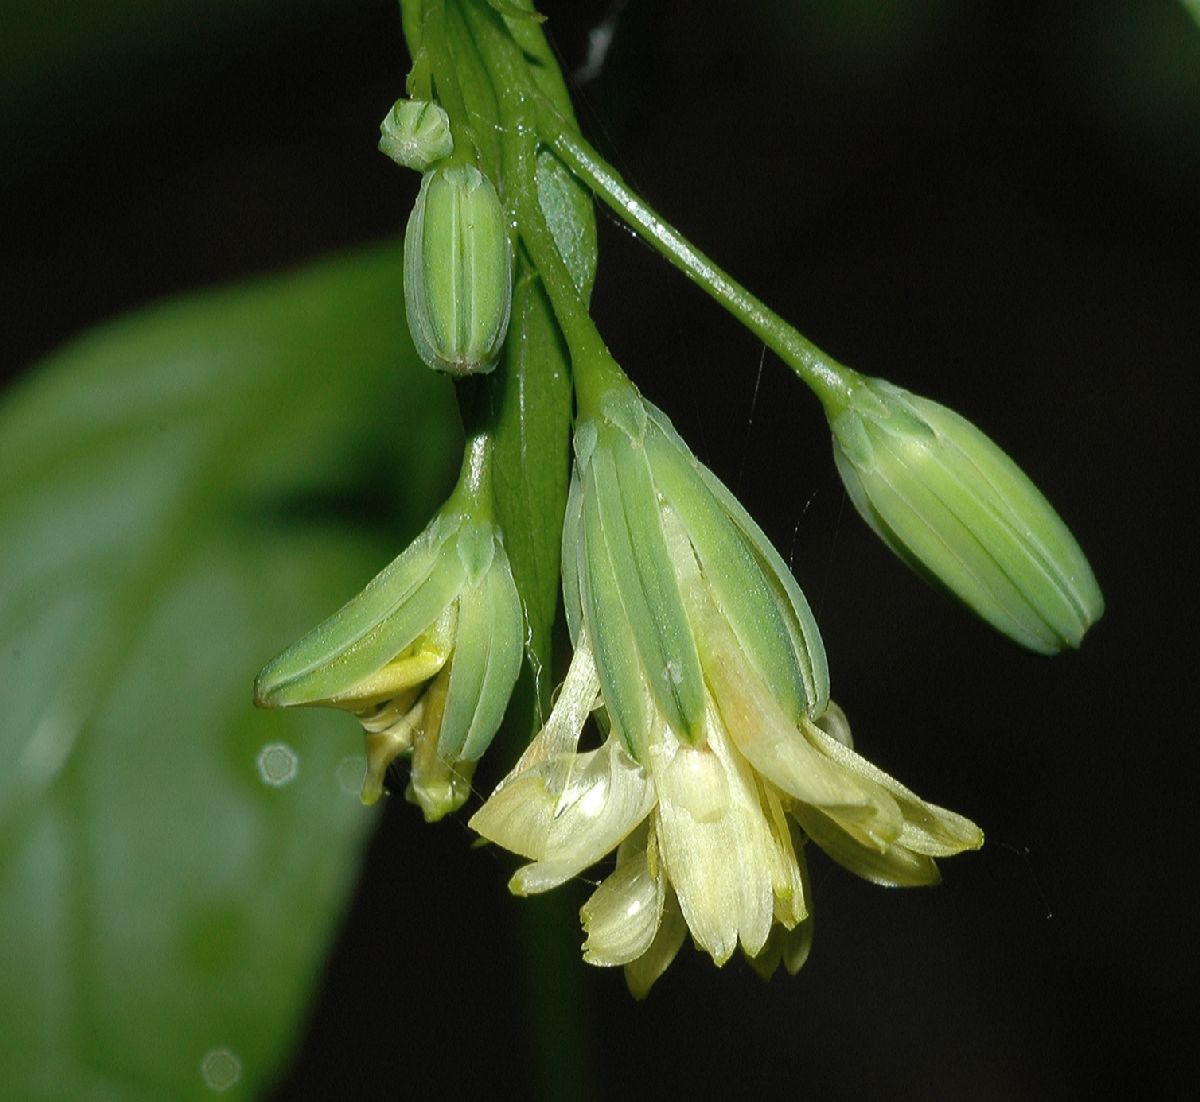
{"x": 995, "y": 204}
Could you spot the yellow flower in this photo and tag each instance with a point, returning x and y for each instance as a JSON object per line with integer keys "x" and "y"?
{"x": 699, "y": 656}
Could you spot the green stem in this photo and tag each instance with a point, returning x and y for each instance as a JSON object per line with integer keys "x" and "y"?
{"x": 592, "y": 366}
{"x": 828, "y": 379}
{"x": 473, "y": 491}
{"x": 412, "y": 17}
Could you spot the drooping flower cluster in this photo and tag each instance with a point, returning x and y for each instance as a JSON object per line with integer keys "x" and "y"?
{"x": 699, "y": 657}
{"x": 721, "y": 757}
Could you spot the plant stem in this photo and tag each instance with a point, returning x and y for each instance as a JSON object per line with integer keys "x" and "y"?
{"x": 593, "y": 368}
{"x": 828, "y": 379}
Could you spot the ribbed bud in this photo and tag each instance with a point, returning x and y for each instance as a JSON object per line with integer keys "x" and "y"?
{"x": 415, "y": 133}
{"x": 954, "y": 506}
{"x": 458, "y": 271}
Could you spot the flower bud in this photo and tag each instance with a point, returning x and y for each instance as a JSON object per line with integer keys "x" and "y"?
{"x": 457, "y": 271}
{"x": 954, "y": 506}
{"x": 415, "y": 133}
{"x": 425, "y": 656}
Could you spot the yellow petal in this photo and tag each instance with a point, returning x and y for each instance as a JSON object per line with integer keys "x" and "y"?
{"x": 723, "y": 869}
{"x": 896, "y": 866}
{"x": 604, "y": 801}
{"x": 787, "y": 947}
{"x": 519, "y": 814}
{"x": 622, "y": 915}
{"x": 574, "y": 704}
{"x": 790, "y": 877}
{"x": 768, "y": 738}
{"x": 436, "y": 785}
{"x": 927, "y": 828}
{"x": 566, "y": 813}
{"x": 641, "y": 974}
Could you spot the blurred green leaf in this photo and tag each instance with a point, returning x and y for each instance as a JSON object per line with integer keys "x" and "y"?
{"x": 181, "y": 495}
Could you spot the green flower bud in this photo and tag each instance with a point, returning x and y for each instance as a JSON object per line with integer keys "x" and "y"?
{"x": 458, "y": 271}
{"x": 953, "y": 506}
{"x": 425, "y": 656}
{"x": 415, "y": 133}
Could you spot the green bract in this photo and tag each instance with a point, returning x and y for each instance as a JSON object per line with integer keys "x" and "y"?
{"x": 416, "y": 134}
{"x": 426, "y": 656}
{"x": 951, "y": 504}
{"x": 458, "y": 271}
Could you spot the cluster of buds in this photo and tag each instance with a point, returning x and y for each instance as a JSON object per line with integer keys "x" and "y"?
{"x": 457, "y": 253}
{"x": 427, "y": 654}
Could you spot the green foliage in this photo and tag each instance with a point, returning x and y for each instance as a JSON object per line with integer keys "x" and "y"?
{"x": 181, "y": 494}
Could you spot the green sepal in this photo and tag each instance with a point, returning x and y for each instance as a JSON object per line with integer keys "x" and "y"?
{"x": 458, "y": 271}
{"x": 628, "y": 514}
{"x": 806, "y": 640}
{"x": 485, "y": 662}
{"x": 372, "y": 628}
{"x": 612, "y": 633}
{"x": 504, "y": 662}
{"x": 476, "y": 549}
{"x": 572, "y": 558}
{"x": 952, "y": 505}
{"x": 1050, "y": 556}
{"x": 735, "y": 574}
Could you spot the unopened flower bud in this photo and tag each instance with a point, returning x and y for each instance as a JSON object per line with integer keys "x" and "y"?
{"x": 416, "y": 133}
{"x": 953, "y": 505}
{"x": 457, "y": 271}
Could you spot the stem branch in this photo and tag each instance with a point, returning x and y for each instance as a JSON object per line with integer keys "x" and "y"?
{"x": 829, "y": 380}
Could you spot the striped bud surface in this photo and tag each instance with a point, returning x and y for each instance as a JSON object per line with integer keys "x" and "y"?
{"x": 458, "y": 271}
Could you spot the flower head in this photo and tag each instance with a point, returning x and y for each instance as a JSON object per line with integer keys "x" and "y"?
{"x": 425, "y": 656}
{"x": 723, "y": 756}
{"x": 954, "y": 506}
